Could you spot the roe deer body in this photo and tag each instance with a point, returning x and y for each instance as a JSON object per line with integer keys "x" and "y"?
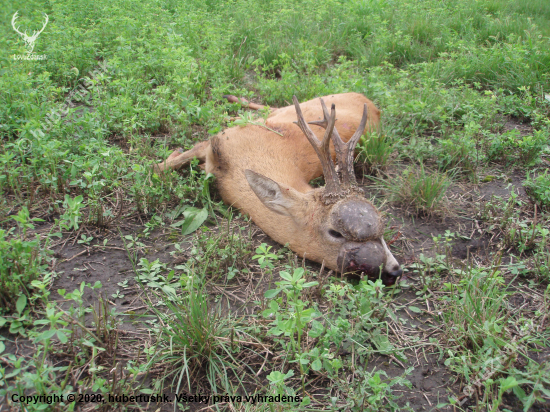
{"x": 267, "y": 176}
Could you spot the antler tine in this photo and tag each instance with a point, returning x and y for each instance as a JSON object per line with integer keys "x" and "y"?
{"x": 345, "y": 152}
{"x": 324, "y": 122}
{"x": 321, "y": 148}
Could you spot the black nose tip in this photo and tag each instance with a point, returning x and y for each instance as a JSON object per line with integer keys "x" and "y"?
{"x": 396, "y": 273}
{"x": 390, "y": 278}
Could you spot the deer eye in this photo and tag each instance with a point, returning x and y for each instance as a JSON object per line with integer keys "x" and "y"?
{"x": 335, "y": 234}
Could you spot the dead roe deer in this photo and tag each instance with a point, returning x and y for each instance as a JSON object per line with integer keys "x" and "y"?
{"x": 267, "y": 176}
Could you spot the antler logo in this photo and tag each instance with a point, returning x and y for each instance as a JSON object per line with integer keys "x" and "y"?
{"x": 29, "y": 40}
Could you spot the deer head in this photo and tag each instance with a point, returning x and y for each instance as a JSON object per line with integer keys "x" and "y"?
{"x": 29, "y": 40}
{"x": 334, "y": 224}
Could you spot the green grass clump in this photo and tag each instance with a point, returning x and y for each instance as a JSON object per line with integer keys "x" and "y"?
{"x": 375, "y": 150}
{"x": 477, "y": 308}
{"x": 197, "y": 339}
{"x": 459, "y": 153}
{"x": 419, "y": 189}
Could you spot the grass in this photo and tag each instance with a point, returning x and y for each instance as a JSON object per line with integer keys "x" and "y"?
{"x": 196, "y": 338}
{"x": 418, "y": 189}
{"x": 480, "y": 309}
{"x": 464, "y": 92}
{"x": 374, "y": 152}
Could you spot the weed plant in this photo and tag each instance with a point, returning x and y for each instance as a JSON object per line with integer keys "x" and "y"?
{"x": 538, "y": 189}
{"x": 226, "y": 252}
{"x": 22, "y": 261}
{"x": 511, "y": 147}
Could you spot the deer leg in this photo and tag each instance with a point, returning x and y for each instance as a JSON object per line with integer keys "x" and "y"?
{"x": 179, "y": 158}
{"x": 246, "y": 103}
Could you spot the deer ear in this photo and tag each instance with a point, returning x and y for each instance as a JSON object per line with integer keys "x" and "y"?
{"x": 278, "y": 198}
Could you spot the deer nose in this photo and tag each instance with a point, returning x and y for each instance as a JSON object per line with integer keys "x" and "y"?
{"x": 389, "y": 278}
{"x": 396, "y": 273}
{"x": 362, "y": 257}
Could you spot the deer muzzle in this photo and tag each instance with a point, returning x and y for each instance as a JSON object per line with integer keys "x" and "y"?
{"x": 368, "y": 258}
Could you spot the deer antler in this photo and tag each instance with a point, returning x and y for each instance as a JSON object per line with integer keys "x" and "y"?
{"x": 344, "y": 151}
{"x": 35, "y": 34}
{"x": 321, "y": 148}
{"x": 13, "y": 25}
